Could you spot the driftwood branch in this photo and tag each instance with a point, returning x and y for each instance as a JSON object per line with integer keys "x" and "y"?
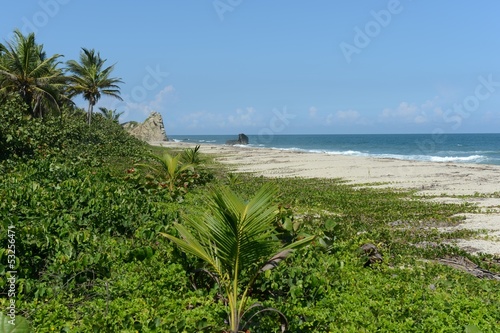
{"x": 468, "y": 266}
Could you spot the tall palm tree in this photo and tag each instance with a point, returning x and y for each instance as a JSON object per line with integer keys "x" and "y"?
{"x": 234, "y": 238}
{"x": 90, "y": 79}
{"x": 26, "y": 70}
{"x": 110, "y": 114}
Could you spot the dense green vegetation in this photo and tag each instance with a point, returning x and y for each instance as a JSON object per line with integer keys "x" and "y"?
{"x": 90, "y": 257}
{"x": 86, "y": 207}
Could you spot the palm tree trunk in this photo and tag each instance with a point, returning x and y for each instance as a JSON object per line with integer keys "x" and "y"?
{"x": 234, "y": 322}
{"x": 235, "y": 313}
{"x": 28, "y": 99}
{"x": 89, "y": 112}
{"x": 37, "y": 109}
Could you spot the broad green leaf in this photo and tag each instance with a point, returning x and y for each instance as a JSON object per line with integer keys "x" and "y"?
{"x": 288, "y": 225}
{"x": 17, "y": 325}
{"x": 472, "y": 329}
{"x": 330, "y": 224}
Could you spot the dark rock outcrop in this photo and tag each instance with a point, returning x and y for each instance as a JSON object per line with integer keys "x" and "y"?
{"x": 152, "y": 129}
{"x": 242, "y": 140}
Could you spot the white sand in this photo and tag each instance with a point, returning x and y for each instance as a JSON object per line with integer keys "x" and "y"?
{"x": 446, "y": 181}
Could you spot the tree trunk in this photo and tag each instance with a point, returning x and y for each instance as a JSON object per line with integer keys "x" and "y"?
{"x": 28, "y": 99}
{"x": 89, "y": 112}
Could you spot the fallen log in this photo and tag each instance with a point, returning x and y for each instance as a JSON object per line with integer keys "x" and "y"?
{"x": 468, "y": 266}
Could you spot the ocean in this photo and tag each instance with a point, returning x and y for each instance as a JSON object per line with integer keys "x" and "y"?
{"x": 458, "y": 148}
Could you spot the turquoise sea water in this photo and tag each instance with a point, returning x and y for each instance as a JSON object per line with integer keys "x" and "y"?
{"x": 460, "y": 148}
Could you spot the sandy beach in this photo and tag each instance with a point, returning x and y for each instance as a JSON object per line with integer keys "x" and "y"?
{"x": 445, "y": 182}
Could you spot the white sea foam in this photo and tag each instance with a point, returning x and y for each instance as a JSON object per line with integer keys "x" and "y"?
{"x": 347, "y": 153}
{"x": 479, "y": 148}
{"x": 462, "y": 159}
{"x": 472, "y": 158}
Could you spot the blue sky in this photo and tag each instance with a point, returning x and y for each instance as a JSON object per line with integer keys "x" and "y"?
{"x": 286, "y": 67}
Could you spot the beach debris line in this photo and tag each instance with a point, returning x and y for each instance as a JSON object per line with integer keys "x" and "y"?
{"x": 467, "y": 265}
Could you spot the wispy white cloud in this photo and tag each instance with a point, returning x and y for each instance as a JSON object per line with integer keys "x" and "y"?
{"x": 430, "y": 103}
{"x": 201, "y": 120}
{"x": 412, "y": 113}
{"x": 134, "y": 109}
{"x": 313, "y": 111}
{"x": 404, "y": 111}
{"x": 206, "y": 120}
{"x": 420, "y": 119}
{"x": 350, "y": 117}
{"x": 243, "y": 117}
{"x": 166, "y": 95}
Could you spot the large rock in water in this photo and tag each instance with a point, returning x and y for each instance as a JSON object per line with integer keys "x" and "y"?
{"x": 242, "y": 140}
{"x": 152, "y": 129}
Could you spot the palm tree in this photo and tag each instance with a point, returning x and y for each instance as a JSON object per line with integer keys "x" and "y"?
{"x": 168, "y": 167}
{"x": 26, "y": 70}
{"x": 110, "y": 114}
{"x": 235, "y": 237}
{"x": 192, "y": 155}
{"x": 90, "y": 79}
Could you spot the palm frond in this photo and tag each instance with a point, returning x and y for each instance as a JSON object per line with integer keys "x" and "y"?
{"x": 240, "y": 231}
{"x": 90, "y": 80}
{"x": 26, "y": 70}
{"x": 234, "y": 236}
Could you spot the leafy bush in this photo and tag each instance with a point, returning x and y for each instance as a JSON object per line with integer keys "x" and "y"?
{"x": 65, "y": 138}
{"x": 78, "y": 221}
{"x": 15, "y": 130}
